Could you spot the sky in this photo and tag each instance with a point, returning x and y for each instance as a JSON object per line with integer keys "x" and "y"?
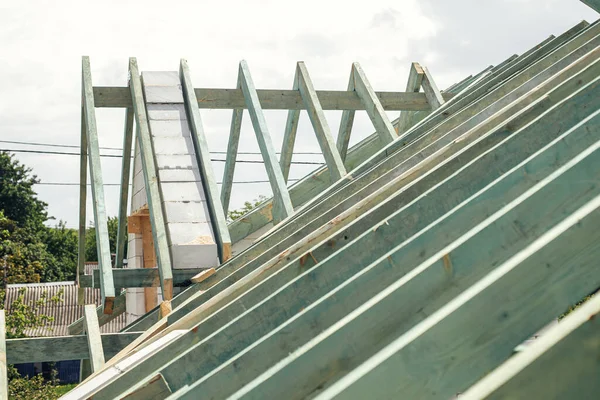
{"x": 41, "y": 44}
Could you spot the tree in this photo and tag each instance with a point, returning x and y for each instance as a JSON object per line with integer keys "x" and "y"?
{"x": 91, "y": 252}
{"x": 248, "y": 206}
{"x": 63, "y": 244}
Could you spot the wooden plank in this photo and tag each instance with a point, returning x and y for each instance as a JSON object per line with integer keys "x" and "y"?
{"x": 316, "y": 187}
{"x": 203, "y": 275}
{"x": 3, "y": 358}
{"x": 151, "y": 182}
{"x": 434, "y": 97}
{"x": 225, "y": 99}
{"x": 149, "y": 261}
{"x": 61, "y": 348}
{"x": 289, "y": 136}
{"x": 107, "y": 288}
{"x": 94, "y": 340}
{"x": 335, "y": 164}
{"x": 82, "y": 208}
{"x": 77, "y": 327}
{"x": 154, "y": 389}
{"x": 142, "y": 277}
{"x": 283, "y": 203}
{"x": 415, "y": 77}
{"x": 124, "y": 190}
{"x": 501, "y": 310}
{"x": 593, "y": 4}
{"x": 246, "y": 364}
{"x": 345, "y": 130}
{"x": 165, "y": 308}
{"x": 563, "y": 363}
{"x": 373, "y": 106}
{"x": 232, "y": 150}
{"x": 217, "y": 212}
{"x": 442, "y": 281}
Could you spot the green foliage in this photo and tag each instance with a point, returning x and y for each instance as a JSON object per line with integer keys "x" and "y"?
{"x": 91, "y": 252}
{"x": 36, "y": 388}
{"x": 248, "y": 206}
{"x": 62, "y": 243}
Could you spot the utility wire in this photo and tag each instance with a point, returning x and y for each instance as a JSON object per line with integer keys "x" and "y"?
{"x": 120, "y": 149}
{"x": 64, "y": 153}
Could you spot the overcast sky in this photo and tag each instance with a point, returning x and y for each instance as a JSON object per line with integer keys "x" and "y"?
{"x": 41, "y": 44}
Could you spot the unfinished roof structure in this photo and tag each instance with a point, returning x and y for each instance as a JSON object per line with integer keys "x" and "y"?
{"x": 409, "y": 266}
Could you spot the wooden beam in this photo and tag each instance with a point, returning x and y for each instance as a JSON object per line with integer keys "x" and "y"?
{"x": 61, "y": 348}
{"x": 226, "y": 99}
{"x": 283, "y": 204}
{"x": 141, "y": 277}
{"x": 335, "y": 164}
{"x": 280, "y": 306}
{"x": 501, "y": 310}
{"x": 448, "y": 273}
{"x": 415, "y": 77}
{"x": 563, "y": 363}
{"x": 77, "y": 327}
{"x": 217, "y": 212}
{"x": 151, "y": 182}
{"x": 434, "y": 97}
{"x": 289, "y": 136}
{"x": 345, "y": 130}
{"x": 94, "y": 340}
{"x": 232, "y": 150}
{"x": 3, "y": 358}
{"x": 124, "y": 190}
{"x": 154, "y": 388}
{"x": 373, "y": 106}
{"x": 107, "y": 288}
{"x": 593, "y": 4}
{"x": 82, "y": 207}
{"x": 202, "y": 276}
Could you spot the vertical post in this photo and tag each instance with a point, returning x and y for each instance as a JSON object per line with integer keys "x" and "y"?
{"x": 375, "y": 111}
{"x": 107, "y": 287}
{"x": 335, "y": 164}
{"x": 124, "y": 192}
{"x": 151, "y": 182}
{"x": 433, "y": 94}
{"x": 415, "y": 77}
{"x": 82, "y": 208}
{"x": 217, "y": 212}
{"x": 232, "y": 149}
{"x": 3, "y": 366}
{"x": 283, "y": 204}
{"x": 94, "y": 339}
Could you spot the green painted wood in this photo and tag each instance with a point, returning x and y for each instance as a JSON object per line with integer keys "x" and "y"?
{"x": 593, "y": 4}
{"x": 398, "y": 229}
{"x": 479, "y": 328}
{"x": 563, "y": 363}
{"x": 232, "y": 150}
{"x": 319, "y": 188}
{"x": 94, "y": 340}
{"x": 335, "y": 164}
{"x": 434, "y": 97}
{"x": 3, "y": 358}
{"x": 60, "y": 348}
{"x": 85, "y": 369}
{"x": 259, "y": 248}
{"x": 154, "y": 389}
{"x": 124, "y": 190}
{"x": 157, "y": 221}
{"x": 346, "y": 122}
{"x": 315, "y": 365}
{"x": 415, "y": 77}
{"x": 82, "y": 206}
{"x": 107, "y": 287}
{"x": 373, "y": 106}
{"x": 289, "y": 136}
{"x": 270, "y": 99}
{"x": 141, "y": 277}
{"x": 77, "y": 327}
{"x": 217, "y": 212}
{"x": 283, "y": 205}
{"x": 283, "y": 306}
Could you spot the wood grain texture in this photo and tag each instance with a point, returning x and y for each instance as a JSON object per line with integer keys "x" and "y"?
{"x": 94, "y": 340}
{"x": 82, "y": 207}
{"x": 415, "y": 77}
{"x": 289, "y": 136}
{"x": 107, "y": 288}
{"x": 124, "y": 190}
{"x": 434, "y": 97}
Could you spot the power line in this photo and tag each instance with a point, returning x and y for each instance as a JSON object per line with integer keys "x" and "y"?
{"x": 120, "y": 149}
{"x": 64, "y": 153}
